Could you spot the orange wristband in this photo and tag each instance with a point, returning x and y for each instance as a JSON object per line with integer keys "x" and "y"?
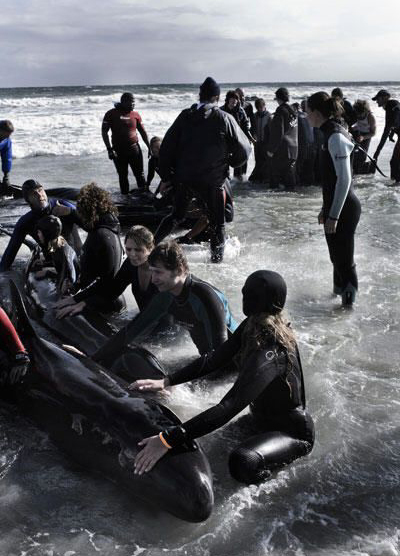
{"x": 160, "y": 436}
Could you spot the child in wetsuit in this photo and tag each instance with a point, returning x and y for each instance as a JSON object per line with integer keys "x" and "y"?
{"x": 61, "y": 260}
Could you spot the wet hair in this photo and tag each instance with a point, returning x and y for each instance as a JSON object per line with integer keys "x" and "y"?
{"x": 295, "y": 106}
{"x": 259, "y": 102}
{"x": 93, "y": 202}
{"x": 141, "y": 236}
{"x": 337, "y": 92}
{"x": 155, "y": 139}
{"x": 6, "y": 125}
{"x": 361, "y": 107}
{"x": 282, "y": 94}
{"x": 170, "y": 254}
{"x": 231, "y": 94}
{"x": 240, "y": 92}
{"x": 326, "y": 105}
{"x": 128, "y": 97}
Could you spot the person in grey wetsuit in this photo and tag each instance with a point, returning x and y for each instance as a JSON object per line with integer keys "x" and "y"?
{"x": 341, "y": 208}
{"x": 270, "y": 380}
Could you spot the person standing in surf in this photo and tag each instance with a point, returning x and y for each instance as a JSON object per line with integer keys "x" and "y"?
{"x": 341, "y": 208}
{"x": 124, "y": 149}
{"x": 392, "y": 128}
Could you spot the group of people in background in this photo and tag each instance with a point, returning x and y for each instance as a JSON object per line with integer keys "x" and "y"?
{"x": 193, "y": 161}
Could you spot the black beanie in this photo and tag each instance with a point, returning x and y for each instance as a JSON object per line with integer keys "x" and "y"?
{"x": 209, "y": 88}
{"x": 264, "y": 292}
{"x": 282, "y": 94}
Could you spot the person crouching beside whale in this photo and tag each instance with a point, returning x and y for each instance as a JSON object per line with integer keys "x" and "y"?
{"x": 64, "y": 265}
{"x": 35, "y": 195}
{"x": 270, "y": 381}
{"x": 193, "y": 303}
{"x": 135, "y": 271}
{"x": 102, "y": 250}
{"x": 14, "y": 359}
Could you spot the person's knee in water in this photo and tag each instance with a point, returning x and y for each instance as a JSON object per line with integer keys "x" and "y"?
{"x": 270, "y": 381}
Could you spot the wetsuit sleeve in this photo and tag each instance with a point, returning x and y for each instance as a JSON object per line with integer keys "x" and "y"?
{"x": 140, "y": 326}
{"x": 238, "y": 145}
{"x": 8, "y": 335}
{"x": 340, "y": 149}
{"x": 20, "y": 231}
{"x": 110, "y": 287}
{"x": 209, "y": 362}
{"x": 6, "y": 156}
{"x": 257, "y": 373}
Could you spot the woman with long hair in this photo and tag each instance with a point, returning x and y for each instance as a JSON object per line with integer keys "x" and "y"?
{"x": 341, "y": 208}
{"x": 102, "y": 251}
{"x": 269, "y": 380}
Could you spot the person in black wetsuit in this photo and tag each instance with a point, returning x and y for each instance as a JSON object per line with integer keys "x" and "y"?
{"x": 341, "y": 208}
{"x": 260, "y": 131}
{"x": 348, "y": 116}
{"x": 233, "y": 107}
{"x": 307, "y": 149}
{"x": 392, "y": 128}
{"x": 102, "y": 251}
{"x": 194, "y": 304}
{"x": 40, "y": 205}
{"x": 135, "y": 271}
{"x": 282, "y": 143}
{"x": 196, "y": 152}
{"x": 270, "y": 381}
{"x": 64, "y": 261}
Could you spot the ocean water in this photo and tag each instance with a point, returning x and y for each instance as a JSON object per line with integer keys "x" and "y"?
{"x": 344, "y": 498}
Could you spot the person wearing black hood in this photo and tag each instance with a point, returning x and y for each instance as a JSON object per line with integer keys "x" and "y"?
{"x": 36, "y": 197}
{"x": 102, "y": 251}
{"x": 124, "y": 149}
{"x": 282, "y": 144}
{"x": 392, "y": 128}
{"x": 197, "y": 151}
{"x": 341, "y": 208}
{"x": 270, "y": 380}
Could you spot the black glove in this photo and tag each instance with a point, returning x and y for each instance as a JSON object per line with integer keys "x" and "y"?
{"x": 375, "y": 157}
{"x": 112, "y": 155}
{"x": 21, "y": 364}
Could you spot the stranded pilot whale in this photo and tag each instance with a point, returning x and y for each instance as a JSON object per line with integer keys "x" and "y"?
{"x": 91, "y": 415}
{"x": 88, "y": 331}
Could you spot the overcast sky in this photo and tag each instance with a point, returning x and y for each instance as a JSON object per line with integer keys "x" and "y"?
{"x": 82, "y": 42}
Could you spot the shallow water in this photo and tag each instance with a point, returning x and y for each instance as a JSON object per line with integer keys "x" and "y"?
{"x": 343, "y": 499}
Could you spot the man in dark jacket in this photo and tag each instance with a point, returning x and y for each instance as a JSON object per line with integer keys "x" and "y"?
{"x": 197, "y": 151}
{"x": 40, "y": 205}
{"x": 260, "y": 131}
{"x": 392, "y": 128}
{"x": 282, "y": 144}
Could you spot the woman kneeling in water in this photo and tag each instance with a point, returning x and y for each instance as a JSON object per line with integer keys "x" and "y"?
{"x": 135, "y": 271}
{"x": 270, "y": 381}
